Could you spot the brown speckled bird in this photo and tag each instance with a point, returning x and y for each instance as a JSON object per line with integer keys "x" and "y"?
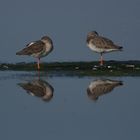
{"x": 38, "y": 49}
{"x": 38, "y": 88}
{"x": 101, "y": 44}
{"x": 101, "y": 86}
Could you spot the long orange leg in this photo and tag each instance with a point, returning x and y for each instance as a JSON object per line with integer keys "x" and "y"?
{"x": 38, "y": 74}
{"x": 38, "y": 63}
{"x": 101, "y": 60}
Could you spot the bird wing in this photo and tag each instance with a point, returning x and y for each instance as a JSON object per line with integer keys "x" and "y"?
{"x": 34, "y": 89}
{"x": 29, "y": 44}
{"x": 102, "y": 89}
{"x": 33, "y": 47}
{"x": 102, "y": 42}
{"x": 107, "y": 41}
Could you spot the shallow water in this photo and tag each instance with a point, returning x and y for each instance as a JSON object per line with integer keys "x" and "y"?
{"x": 69, "y": 113}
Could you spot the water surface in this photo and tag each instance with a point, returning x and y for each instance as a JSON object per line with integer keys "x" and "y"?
{"x": 70, "y": 113}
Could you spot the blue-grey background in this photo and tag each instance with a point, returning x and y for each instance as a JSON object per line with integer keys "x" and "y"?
{"x": 67, "y": 22}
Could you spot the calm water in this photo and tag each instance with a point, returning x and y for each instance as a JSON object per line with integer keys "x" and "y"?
{"x": 69, "y": 113}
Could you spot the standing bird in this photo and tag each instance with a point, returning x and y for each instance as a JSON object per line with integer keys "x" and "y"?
{"x": 101, "y": 44}
{"x": 38, "y": 49}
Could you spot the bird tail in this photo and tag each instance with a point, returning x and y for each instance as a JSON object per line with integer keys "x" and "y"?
{"x": 21, "y": 85}
{"x": 120, "y": 48}
{"x": 19, "y": 53}
{"x": 120, "y": 83}
{"x": 23, "y": 52}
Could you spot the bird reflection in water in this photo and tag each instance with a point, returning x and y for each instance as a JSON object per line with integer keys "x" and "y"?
{"x": 101, "y": 86}
{"x": 38, "y": 88}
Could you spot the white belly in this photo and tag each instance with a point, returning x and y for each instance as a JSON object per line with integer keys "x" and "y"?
{"x": 99, "y": 50}
{"x": 44, "y": 52}
{"x": 95, "y": 49}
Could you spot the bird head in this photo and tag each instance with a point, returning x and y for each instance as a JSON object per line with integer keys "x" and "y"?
{"x": 92, "y": 34}
{"x": 46, "y": 39}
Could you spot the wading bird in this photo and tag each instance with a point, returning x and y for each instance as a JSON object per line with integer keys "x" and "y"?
{"x": 38, "y": 49}
{"x": 101, "y": 44}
